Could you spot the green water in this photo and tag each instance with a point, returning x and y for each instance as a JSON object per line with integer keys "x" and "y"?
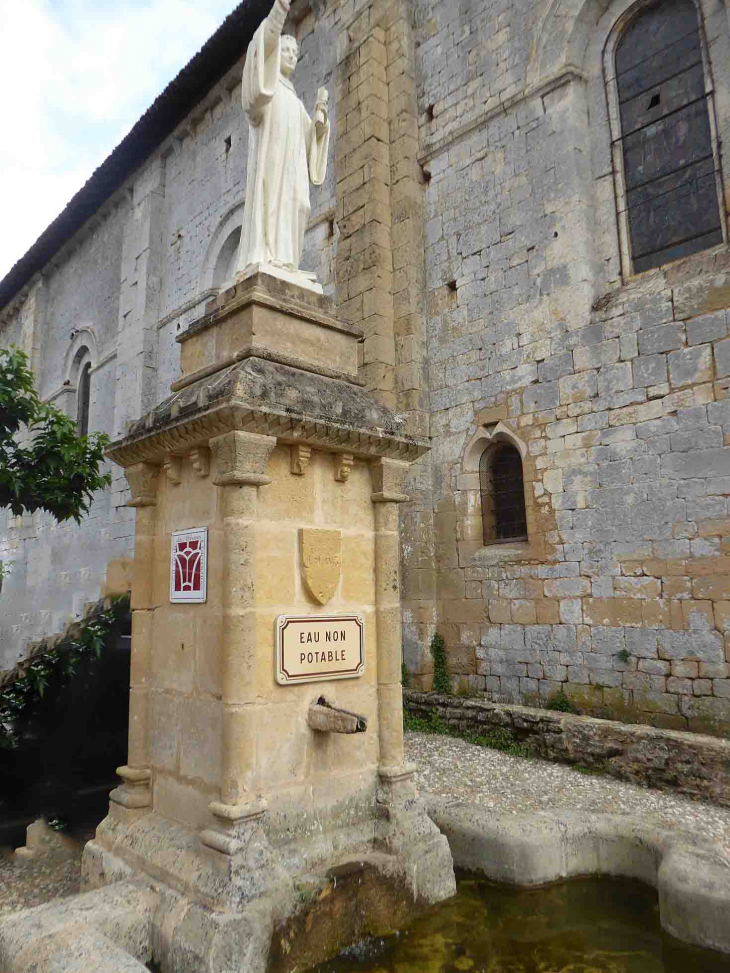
{"x": 584, "y": 926}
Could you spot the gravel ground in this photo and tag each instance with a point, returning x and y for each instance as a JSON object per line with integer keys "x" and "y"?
{"x": 27, "y": 883}
{"x": 450, "y": 768}
{"x": 515, "y": 785}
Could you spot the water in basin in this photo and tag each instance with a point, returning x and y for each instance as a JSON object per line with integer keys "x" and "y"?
{"x": 583, "y": 926}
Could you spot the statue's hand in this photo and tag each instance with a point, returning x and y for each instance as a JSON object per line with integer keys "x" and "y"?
{"x": 320, "y": 120}
{"x": 277, "y": 16}
{"x": 321, "y": 112}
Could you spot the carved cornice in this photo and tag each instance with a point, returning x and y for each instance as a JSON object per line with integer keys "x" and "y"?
{"x": 182, "y": 436}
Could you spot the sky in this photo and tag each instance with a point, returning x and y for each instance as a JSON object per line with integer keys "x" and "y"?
{"x": 75, "y": 76}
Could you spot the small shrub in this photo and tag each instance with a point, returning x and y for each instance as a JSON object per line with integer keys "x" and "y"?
{"x": 623, "y": 655}
{"x": 405, "y": 676}
{"x": 420, "y": 724}
{"x": 561, "y": 703}
{"x": 441, "y": 682}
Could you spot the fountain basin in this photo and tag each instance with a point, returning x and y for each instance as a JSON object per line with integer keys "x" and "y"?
{"x": 691, "y": 875}
{"x": 594, "y": 925}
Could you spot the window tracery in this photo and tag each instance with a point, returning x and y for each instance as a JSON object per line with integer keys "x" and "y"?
{"x": 664, "y": 140}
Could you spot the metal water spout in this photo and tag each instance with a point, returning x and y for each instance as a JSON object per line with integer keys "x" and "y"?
{"x": 326, "y": 718}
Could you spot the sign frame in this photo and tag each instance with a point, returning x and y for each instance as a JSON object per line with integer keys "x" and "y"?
{"x": 285, "y": 678}
{"x": 190, "y": 597}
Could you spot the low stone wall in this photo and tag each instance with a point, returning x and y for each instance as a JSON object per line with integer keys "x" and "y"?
{"x": 689, "y": 763}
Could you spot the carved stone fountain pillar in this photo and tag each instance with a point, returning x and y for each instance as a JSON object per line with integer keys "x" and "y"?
{"x": 240, "y": 460}
{"x": 134, "y": 794}
{"x": 266, "y": 722}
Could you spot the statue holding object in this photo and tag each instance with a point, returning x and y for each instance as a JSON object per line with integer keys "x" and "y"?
{"x": 286, "y": 150}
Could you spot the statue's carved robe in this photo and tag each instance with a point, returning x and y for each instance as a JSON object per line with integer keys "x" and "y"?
{"x": 284, "y": 154}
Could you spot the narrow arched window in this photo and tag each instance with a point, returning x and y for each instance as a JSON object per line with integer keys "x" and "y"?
{"x": 227, "y": 260}
{"x": 83, "y": 400}
{"x": 671, "y": 175}
{"x": 502, "y": 494}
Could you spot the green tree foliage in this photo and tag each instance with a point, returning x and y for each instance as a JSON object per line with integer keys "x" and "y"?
{"x": 21, "y": 700}
{"x": 55, "y": 470}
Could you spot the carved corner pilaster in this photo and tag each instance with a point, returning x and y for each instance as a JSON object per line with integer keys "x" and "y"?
{"x": 200, "y": 458}
{"x": 142, "y": 479}
{"x": 299, "y": 459}
{"x": 343, "y": 466}
{"x": 388, "y": 477}
{"x": 172, "y": 466}
{"x": 241, "y": 458}
{"x": 134, "y": 792}
{"x": 233, "y": 825}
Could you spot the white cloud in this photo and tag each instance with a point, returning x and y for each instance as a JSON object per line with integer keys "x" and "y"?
{"x": 75, "y": 76}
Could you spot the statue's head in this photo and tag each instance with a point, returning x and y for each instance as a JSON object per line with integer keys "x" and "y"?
{"x": 289, "y": 54}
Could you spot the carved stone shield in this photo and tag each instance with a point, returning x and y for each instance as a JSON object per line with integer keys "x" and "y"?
{"x": 321, "y": 561}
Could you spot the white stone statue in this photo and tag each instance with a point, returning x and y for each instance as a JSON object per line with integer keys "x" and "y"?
{"x": 286, "y": 150}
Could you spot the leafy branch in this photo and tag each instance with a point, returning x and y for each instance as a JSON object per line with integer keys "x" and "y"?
{"x": 57, "y": 470}
{"x": 56, "y": 666}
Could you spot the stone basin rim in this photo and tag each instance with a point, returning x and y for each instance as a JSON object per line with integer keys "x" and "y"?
{"x": 691, "y": 876}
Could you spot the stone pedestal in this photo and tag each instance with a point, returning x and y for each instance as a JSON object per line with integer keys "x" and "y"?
{"x": 230, "y": 799}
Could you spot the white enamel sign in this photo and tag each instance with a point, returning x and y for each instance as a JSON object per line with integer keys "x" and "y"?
{"x": 319, "y": 648}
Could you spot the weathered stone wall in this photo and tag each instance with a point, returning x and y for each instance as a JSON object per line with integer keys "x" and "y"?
{"x": 380, "y": 261}
{"x": 611, "y": 386}
{"x": 54, "y": 570}
{"x": 690, "y": 763}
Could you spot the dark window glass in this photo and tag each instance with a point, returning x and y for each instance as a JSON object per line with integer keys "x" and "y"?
{"x": 669, "y": 168}
{"x": 84, "y": 397}
{"x": 502, "y": 494}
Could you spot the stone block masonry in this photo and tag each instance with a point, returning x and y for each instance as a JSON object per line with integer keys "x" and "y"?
{"x": 621, "y": 596}
{"x": 612, "y": 386}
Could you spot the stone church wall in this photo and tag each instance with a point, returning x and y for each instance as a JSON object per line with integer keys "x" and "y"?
{"x": 612, "y": 388}
{"x": 52, "y": 570}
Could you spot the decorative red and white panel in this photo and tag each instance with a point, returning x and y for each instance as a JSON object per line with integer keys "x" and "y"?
{"x": 189, "y": 566}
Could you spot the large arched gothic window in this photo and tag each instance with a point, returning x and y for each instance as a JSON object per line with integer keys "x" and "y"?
{"x": 502, "y": 494}
{"x": 670, "y": 171}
